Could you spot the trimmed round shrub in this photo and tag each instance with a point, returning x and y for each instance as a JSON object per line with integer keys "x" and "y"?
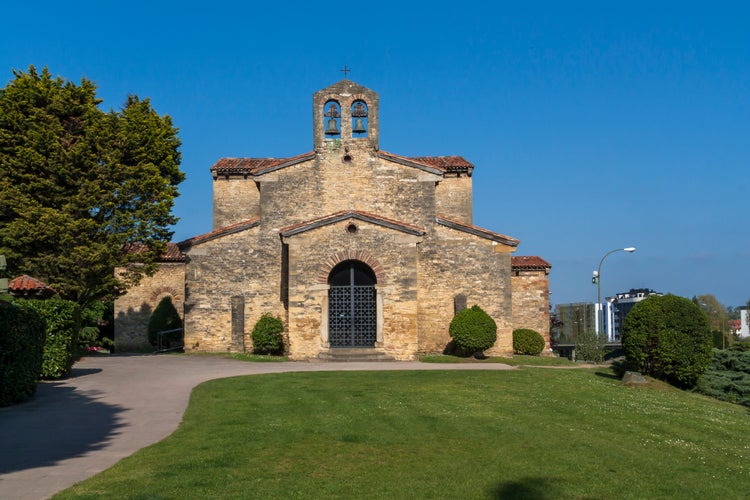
{"x": 267, "y": 338}
{"x": 21, "y": 352}
{"x": 473, "y": 330}
{"x": 165, "y": 317}
{"x": 669, "y": 338}
{"x": 528, "y": 342}
{"x": 63, "y": 319}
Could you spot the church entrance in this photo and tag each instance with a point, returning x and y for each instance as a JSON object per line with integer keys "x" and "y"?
{"x": 352, "y": 309}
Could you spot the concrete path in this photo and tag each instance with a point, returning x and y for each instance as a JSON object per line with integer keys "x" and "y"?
{"x": 112, "y": 406}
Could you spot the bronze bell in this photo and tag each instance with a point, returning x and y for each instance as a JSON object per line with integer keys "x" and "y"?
{"x": 332, "y": 127}
{"x": 359, "y": 126}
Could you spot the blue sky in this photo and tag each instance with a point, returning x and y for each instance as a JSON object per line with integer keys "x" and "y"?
{"x": 592, "y": 125}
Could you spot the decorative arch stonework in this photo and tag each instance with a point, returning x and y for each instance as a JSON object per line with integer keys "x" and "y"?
{"x": 164, "y": 290}
{"x": 360, "y": 255}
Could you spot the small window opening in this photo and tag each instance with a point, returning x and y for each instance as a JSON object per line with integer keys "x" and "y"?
{"x": 352, "y": 229}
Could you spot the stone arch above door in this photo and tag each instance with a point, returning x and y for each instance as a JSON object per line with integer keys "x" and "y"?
{"x": 360, "y": 255}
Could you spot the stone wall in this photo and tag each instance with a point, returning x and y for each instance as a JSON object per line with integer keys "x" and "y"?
{"x": 455, "y": 263}
{"x": 236, "y": 199}
{"x": 133, "y": 310}
{"x": 330, "y": 184}
{"x": 221, "y": 271}
{"x": 391, "y": 253}
{"x": 531, "y": 301}
{"x": 453, "y": 197}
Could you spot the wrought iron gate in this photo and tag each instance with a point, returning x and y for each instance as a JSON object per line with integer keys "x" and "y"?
{"x": 352, "y": 316}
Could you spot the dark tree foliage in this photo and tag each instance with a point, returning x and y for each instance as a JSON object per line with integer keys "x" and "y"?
{"x": 473, "y": 330}
{"x": 669, "y": 338}
{"x": 267, "y": 335}
{"x": 78, "y": 186}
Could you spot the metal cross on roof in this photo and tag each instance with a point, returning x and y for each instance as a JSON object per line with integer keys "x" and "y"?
{"x": 345, "y": 71}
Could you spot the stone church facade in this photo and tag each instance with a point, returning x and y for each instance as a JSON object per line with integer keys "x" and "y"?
{"x": 351, "y": 246}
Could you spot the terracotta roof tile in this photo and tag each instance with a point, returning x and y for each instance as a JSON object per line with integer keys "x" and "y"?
{"x": 476, "y": 230}
{"x": 222, "y": 231}
{"x": 436, "y": 164}
{"x": 26, "y": 286}
{"x": 172, "y": 254}
{"x": 528, "y": 262}
{"x": 447, "y": 163}
{"x": 26, "y": 283}
{"x": 253, "y": 166}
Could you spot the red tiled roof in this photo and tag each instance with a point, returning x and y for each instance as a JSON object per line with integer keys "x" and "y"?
{"x": 478, "y": 231}
{"x": 252, "y": 166}
{"x": 255, "y": 166}
{"x": 447, "y": 163}
{"x": 434, "y": 163}
{"x": 26, "y": 283}
{"x": 222, "y": 231}
{"x": 351, "y": 214}
{"x": 528, "y": 262}
{"x": 172, "y": 254}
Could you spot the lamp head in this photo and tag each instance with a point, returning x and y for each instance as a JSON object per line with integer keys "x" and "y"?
{"x": 629, "y": 249}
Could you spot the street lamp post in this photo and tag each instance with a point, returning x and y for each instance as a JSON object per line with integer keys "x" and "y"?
{"x": 597, "y": 278}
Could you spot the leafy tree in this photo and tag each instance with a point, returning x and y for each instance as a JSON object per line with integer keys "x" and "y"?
{"x": 668, "y": 337}
{"x": 717, "y": 316}
{"x": 590, "y": 346}
{"x": 80, "y": 186}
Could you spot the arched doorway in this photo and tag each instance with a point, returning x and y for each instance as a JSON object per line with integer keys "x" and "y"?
{"x": 352, "y": 305}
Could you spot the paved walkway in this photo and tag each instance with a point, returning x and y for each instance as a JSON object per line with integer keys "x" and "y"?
{"x": 112, "y": 406}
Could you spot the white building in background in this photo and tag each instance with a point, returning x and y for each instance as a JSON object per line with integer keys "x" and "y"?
{"x": 744, "y": 323}
{"x": 617, "y": 307}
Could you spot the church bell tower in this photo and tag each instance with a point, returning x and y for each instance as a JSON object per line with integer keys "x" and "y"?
{"x": 345, "y": 115}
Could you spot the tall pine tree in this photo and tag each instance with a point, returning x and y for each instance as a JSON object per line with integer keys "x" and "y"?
{"x": 80, "y": 186}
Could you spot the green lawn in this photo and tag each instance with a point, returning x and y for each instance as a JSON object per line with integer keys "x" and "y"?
{"x": 526, "y": 433}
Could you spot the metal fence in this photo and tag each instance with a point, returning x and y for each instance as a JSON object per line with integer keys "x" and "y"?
{"x": 170, "y": 340}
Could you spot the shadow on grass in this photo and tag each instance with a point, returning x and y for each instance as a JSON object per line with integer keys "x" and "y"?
{"x": 607, "y": 374}
{"x": 530, "y": 488}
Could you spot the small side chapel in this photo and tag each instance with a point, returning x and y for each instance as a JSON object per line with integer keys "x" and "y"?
{"x": 351, "y": 246}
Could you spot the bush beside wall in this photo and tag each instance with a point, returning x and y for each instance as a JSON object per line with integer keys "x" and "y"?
{"x": 528, "y": 342}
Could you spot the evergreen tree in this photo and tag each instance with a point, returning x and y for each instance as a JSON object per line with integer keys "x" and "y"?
{"x": 79, "y": 187}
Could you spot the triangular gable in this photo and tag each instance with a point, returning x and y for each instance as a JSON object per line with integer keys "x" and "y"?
{"x": 351, "y": 214}
{"x": 219, "y": 233}
{"x": 477, "y": 231}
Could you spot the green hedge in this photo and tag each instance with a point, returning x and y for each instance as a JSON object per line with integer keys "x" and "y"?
{"x": 528, "y": 342}
{"x": 473, "y": 330}
{"x": 267, "y": 338}
{"x": 63, "y": 318}
{"x": 21, "y": 352}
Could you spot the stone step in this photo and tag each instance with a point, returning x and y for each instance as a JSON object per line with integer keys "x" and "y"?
{"x": 353, "y": 354}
